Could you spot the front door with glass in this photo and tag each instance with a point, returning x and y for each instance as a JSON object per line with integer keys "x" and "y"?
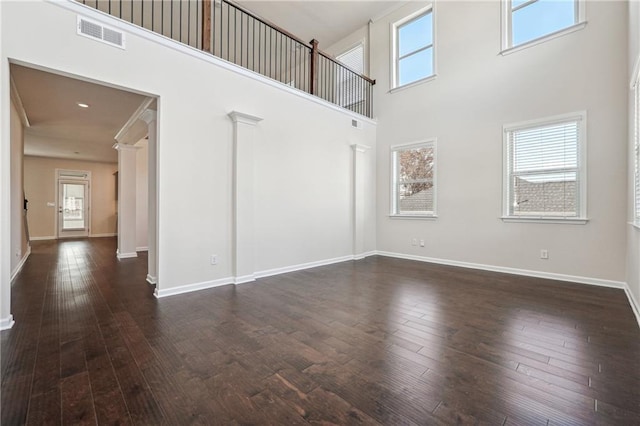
{"x": 73, "y": 209}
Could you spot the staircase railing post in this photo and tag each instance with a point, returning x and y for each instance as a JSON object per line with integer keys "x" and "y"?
{"x": 206, "y": 26}
{"x": 313, "y": 73}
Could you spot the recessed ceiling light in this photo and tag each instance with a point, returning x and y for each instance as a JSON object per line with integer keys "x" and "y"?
{"x": 81, "y": 105}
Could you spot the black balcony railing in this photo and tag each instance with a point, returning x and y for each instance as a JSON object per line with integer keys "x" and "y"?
{"x": 236, "y": 35}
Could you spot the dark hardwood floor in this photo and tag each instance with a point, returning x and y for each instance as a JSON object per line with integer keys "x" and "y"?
{"x": 374, "y": 341}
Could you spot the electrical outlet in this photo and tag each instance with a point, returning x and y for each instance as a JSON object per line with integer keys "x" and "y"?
{"x": 421, "y": 243}
{"x": 414, "y": 242}
{"x": 544, "y": 254}
{"x": 214, "y": 259}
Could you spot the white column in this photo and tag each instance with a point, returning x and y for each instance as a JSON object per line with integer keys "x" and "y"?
{"x": 243, "y": 140}
{"x": 126, "y": 201}
{"x": 358, "y": 199}
{"x": 149, "y": 117}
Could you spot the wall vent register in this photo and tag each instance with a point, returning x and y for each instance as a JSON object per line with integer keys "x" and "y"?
{"x": 96, "y": 31}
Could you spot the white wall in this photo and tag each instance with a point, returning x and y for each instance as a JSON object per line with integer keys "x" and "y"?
{"x": 18, "y": 236}
{"x": 633, "y": 234}
{"x": 303, "y": 166}
{"x": 142, "y": 194}
{"x": 476, "y": 92}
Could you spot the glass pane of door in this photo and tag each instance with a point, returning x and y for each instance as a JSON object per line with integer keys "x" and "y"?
{"x": 73, "y": 206}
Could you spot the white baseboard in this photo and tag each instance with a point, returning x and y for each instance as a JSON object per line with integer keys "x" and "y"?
{"x": 244, "y": 279}
{"x": 152, "y": 280}
{"x": 363, "y": 255}
{"x": 53, "y": 237}
{"x": 21, "y": 263}
{"x": 507, "y": 270}
{"x": 103, "y": 235}
{"x": 635, "y": 306}
{"x": 7, "y": 323}
{"x": 126, "y": 255}
{"x": 142, "y": 248}
{"x": 301, "y": 266}
{"x": 159, "y": 293}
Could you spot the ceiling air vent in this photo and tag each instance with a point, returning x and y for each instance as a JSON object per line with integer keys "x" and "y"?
{"x": 97, "y": 31}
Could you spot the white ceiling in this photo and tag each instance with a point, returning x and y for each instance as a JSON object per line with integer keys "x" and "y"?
{"x": 59, "y": 128}
{"x": 326, "y": 21}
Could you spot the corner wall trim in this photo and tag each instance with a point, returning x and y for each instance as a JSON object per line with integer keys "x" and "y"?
{"x": 159, "y": 293}
{"x": 21, "y": 263}
{"x": 507, "y": 270}
{"x": 7, "y": 323}
{"x": 635, "y": 306}
{"x": 142, "y": 249}
{"x": 244, "y": 279}
{"x": 152, "y": 280}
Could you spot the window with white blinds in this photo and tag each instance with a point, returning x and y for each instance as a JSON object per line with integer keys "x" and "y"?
{"x": 544, "y": 165}
{"x": 348, "y": 89}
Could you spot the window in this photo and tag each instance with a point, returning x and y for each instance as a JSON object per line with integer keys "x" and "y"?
{"x": 350, "y": 92}
{"x": 413, "y": 48}
{"x": 526, "y": 21}
{"x": 544, "y": 169}
{"x": 414, "y": 177}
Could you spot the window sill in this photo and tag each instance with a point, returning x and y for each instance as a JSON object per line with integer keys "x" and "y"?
{"x": 413, "y": 83}
{"x": 540, "y": 40}
{"x": 525, "y": 219}
{"x": 635, "y": 225}
{"x": 413, "y": 216}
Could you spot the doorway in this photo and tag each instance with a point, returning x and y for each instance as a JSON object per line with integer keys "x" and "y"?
{"x": 73, "y": 203}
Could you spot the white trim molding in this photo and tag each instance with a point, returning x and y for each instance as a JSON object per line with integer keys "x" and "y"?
{"x": 17, "y": 100}
{"x": 152, "y": 280}
{"x": 7, "y": 323}
{"x": 244, "y": 279}
{"x": 21, "y": 263}
{"x": 301, "y": 266}
{"x": 125, "y": 255}
{"x": 111, "y": 234}
{"x": 142, "y": 249}
{"x": 137, "y": 115}
{"x": 635, "y": 306}
{"x": 158, "y": 293}
{"x": 507, "y": 270}
{"x": 46, "y": 238}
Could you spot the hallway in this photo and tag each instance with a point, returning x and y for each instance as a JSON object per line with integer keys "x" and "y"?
{"x": 375, "y": 341}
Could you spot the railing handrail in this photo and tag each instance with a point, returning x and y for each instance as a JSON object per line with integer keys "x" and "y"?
{"x": 265, "y": 22}
{"x": 337, "y": 62}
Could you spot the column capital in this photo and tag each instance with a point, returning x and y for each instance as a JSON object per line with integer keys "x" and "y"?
{"x": 149, "y": 116}
{"x": 241, "y": 117}
{"x": 360, "y": 148}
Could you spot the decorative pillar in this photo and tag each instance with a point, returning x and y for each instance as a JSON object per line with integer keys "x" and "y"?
{"x": 358, "y": 199}
{"x": 149, "y": 116}
{"x": 243, "y": 139}
{"x": 126, "y": 201}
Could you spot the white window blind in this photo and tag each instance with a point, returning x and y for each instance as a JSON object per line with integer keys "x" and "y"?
{"x": 349, "y": 88}
{"x": 413, "y": 190}
{"x": 544, "y": 170}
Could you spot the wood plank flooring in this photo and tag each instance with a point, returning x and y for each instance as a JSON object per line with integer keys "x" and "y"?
{"x": 377, "y": 341}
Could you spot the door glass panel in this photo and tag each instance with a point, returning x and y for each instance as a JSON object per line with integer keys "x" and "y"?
{"x": 73, "y": 206}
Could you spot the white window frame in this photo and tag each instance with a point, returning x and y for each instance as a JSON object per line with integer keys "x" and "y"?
{"x": 581, "y": 193}
{"x": 394, "y": 212}
{"x": 395, "y": 47}
{"x": 507, "y": 29}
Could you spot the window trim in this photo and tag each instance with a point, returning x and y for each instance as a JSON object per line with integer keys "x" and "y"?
{"x": 394, "y": 84}
{"x": 582, "y": 218}
{"x": 429, "y": 142}
{"x": 506, "y": 29}
{"x": 636, "y": 145}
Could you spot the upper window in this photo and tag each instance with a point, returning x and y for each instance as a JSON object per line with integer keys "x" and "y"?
{"x": 544, "y": 169}
{"x": 529, "y": 20}
{"x": 413, "y": 49}
{"x": 414, "y": 173}
{"x": 350, "y": 92}
{"x": 636, "y": 140}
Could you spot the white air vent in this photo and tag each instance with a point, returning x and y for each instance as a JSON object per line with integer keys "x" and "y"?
{"x": 355, "y": 123}
{"x": 97, "y": 31}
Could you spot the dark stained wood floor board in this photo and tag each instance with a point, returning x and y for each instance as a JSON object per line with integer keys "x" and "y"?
{"x": 377, "y": 341}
